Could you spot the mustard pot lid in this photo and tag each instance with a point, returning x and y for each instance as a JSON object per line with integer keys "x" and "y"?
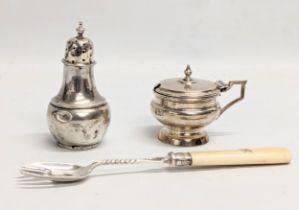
{"x": 187, "y": 87}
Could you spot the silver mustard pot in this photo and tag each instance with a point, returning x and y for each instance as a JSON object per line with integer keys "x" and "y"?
{"x": 186, "y": 105}
{"x": 78, "y": 116}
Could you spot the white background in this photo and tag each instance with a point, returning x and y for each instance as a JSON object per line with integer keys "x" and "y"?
{"x": 138, "y": 43}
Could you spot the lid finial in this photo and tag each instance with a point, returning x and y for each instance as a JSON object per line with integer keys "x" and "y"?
{"x": 80, "y": 29}
{"x": 188, "y": 73}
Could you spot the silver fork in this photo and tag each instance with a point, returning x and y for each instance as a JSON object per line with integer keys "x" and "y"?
{"x": 63, "y": 172}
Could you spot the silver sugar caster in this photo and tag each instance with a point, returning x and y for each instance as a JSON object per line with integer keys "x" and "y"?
{"x": 78, "y": 116}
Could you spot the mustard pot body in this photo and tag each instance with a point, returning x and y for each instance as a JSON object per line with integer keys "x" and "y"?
{"x": 186, "y": 105}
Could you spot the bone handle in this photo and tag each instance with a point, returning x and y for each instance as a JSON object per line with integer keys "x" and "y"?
{"x": 260, "y": 156}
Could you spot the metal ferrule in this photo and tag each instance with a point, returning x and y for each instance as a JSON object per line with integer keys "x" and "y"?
{"x": 179, "y": 158}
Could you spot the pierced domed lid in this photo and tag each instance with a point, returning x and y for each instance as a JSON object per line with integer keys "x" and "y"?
{"x": 187, "y": 87}
{"x": 79, "y": 49}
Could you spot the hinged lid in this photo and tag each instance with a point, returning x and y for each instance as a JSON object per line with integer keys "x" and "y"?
{"x": 187, "y": 87}
{"x": 79, "y": 49}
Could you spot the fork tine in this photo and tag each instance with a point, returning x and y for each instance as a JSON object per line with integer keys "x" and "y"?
{"x": 31, "y": 173}
{"x": 34, "y": 171}
{"x": 34, "y": 168}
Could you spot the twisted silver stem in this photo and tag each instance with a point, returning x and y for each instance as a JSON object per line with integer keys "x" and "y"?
{"x": 172, "y": 159}
{"x": 128, "y": 161}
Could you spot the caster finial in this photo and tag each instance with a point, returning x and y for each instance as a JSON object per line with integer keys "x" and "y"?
{"x": 80, "y": 29}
